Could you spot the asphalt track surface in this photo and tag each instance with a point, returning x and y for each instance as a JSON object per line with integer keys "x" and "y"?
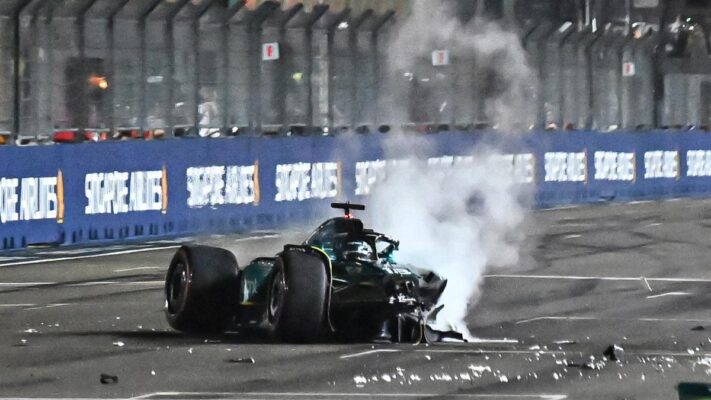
{"x": 636, "y": 275}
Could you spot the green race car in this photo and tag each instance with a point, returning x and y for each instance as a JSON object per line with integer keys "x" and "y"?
{"x": 342, "y": 282}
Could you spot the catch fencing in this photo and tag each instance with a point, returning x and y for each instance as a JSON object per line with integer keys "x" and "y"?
{"x": 135, "y": 68}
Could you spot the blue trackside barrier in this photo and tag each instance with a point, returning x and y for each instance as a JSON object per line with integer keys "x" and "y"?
{"x": 116, "y": 191}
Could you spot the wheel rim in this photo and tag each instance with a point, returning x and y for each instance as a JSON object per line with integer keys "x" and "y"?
{"x": 178, "y": 284}
{"x": 276, "y": 295}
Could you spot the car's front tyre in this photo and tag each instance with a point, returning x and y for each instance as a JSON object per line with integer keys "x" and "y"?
{"x": 297, "y": 300}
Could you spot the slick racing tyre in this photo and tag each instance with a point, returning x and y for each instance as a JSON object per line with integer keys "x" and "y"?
{"x": 296, "y": 307}
{"x": 201, "y": 289}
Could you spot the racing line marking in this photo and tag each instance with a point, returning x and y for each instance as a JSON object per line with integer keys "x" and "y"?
{"x": 118, "y": 283}
{"x": 455, "y": 351}
{"x": 137, "y": 269}
{"x": 365, "y": 353}
{"x": 483, "y": 351}
{"x": 525, "y": 321}
{"x": 21, "y": 284}
{"x": 250, "y": 238}
{"x": 350, "y": 395}
{"x": 14, "y": 258}
{"x": 670, "y": 294}
{"x": 47, "y": 306}
{"x": 492, "y": 341}
{"x": 33, "y": 306}
{"x": 474, "y": 341}
{"x": 111, "y": 253}
{"x": 597, "y": 278}
{"x": 121, "y": 252}
{"x": 573, "y": 318}
{"x": 94, "y": 283}
{"x": 539, "y": 352}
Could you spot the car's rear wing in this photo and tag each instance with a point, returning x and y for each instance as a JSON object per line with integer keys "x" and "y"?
{"x": 347, "y": 207}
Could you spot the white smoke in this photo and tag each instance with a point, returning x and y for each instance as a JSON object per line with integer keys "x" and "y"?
{"x": 457, "y": 221}
{"x": 505, "y": 81}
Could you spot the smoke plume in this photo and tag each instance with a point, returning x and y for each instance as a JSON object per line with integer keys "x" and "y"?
{"x": 460, "y": 219}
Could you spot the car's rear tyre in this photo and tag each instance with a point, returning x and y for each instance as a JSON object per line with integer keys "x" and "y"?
{"x": 201, "y": 289}
{"x": 296, "y": 307}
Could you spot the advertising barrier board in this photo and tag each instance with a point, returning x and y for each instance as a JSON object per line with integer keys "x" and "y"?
{"x": 115, "y": 191}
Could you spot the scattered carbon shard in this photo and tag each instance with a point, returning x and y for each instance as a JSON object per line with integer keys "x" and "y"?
{"x": 241, "y": 360}
{"x": 615, "y": 353}
{"x": 107, "y": 379}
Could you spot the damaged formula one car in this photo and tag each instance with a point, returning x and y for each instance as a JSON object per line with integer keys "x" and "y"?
{"x": 341, "y": 283}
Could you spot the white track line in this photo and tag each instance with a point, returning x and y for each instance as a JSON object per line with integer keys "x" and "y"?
{"x": 34, "y": 306}
{"x": 111, "y": 253}
{"x": 365, "y": 353}
{"x": 119, "y": 283}
{"x": 52, "y": 398}
{"x": 595, "y": 278}
{"x": 137, "y": 269}
{"x": 22, "y": 284}
{"x": 120, "y": 252}
{"x": 251, "y": 238}
{"x": 483, "y": 351}
{"x": 13, "y": 258}
{"x": 668, "y": 354}
{"x": 669, "y": 294}
{"x": 646, "y": 353}
{"x": 555, "y": 318}
{"x": 94, "y": 283}
{"x": 454, "y": 351}
{"x": 574, "y": 318}
{"x": 492, "y": 341}
{"x": 671, "y": 320}
{"x": 290, "y": 395}
{"x": 47, "y": 306}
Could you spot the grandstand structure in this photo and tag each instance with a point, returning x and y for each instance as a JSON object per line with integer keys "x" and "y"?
{"x": 75, "y": 70}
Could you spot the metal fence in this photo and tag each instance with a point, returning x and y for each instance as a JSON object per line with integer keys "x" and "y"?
{"x": 144, "y": 68}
